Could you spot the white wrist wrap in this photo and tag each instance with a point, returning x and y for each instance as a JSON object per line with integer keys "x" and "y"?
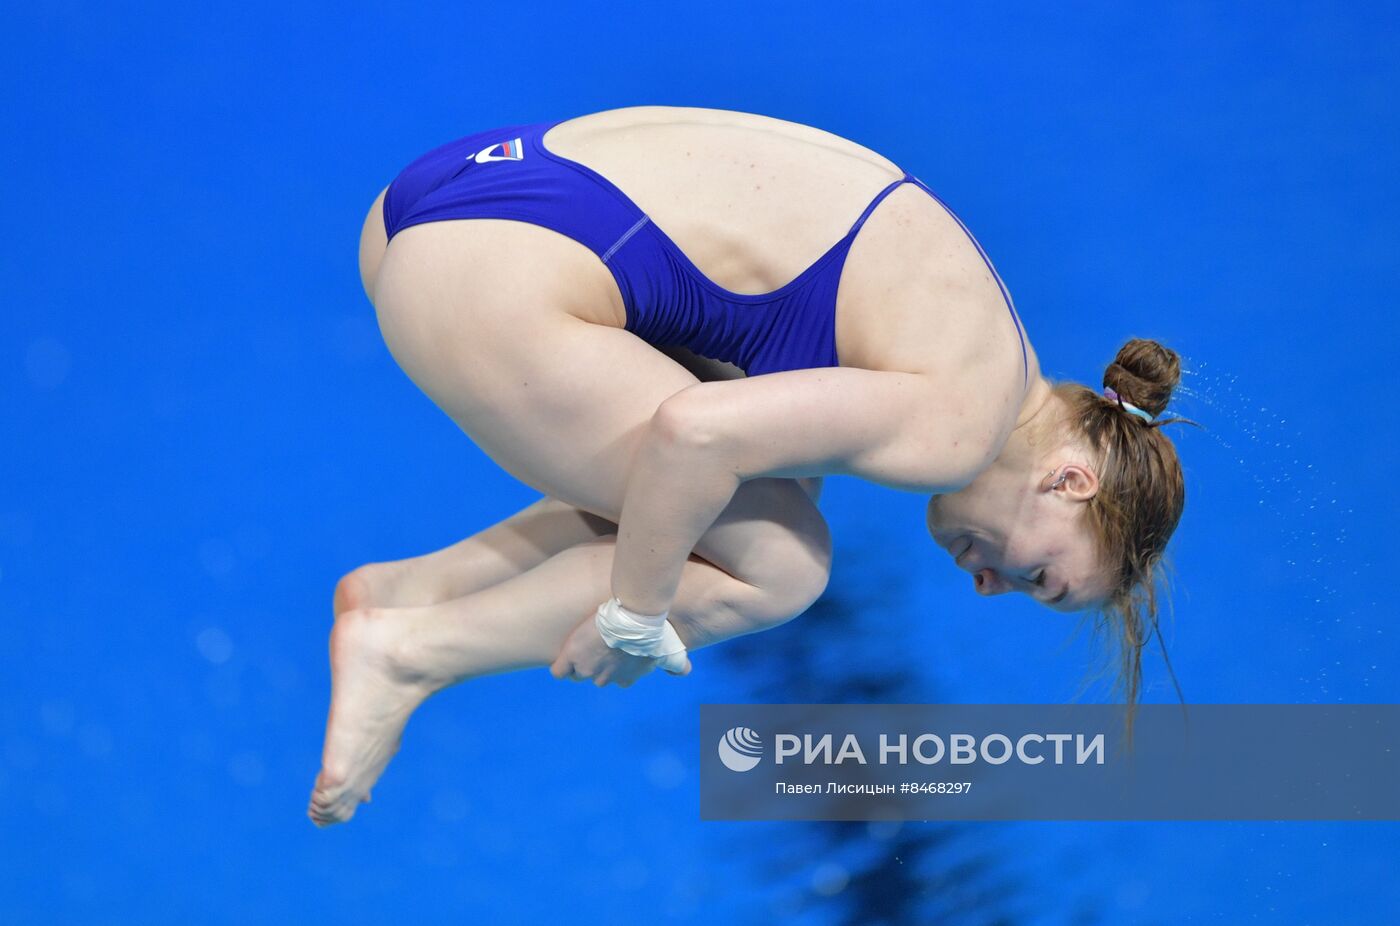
{"x": 640, "y": 634}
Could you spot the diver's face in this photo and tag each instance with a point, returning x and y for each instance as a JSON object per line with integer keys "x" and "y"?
{"x": 1020, "y": 541}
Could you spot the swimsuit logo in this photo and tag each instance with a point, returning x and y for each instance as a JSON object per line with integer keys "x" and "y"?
{"x": 510, "y": 151}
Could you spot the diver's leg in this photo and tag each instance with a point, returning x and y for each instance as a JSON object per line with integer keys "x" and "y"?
{"x": 559, "y": 402}
{"x": 503, "y": 550}
{"x": 387, "y": 661}
{"x": 520, "y": 542}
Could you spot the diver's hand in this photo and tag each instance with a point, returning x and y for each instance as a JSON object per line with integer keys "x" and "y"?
{"x": 587, "y": 655}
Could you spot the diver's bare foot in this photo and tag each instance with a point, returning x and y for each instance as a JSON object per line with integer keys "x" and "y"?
{"x": 371, "y": 699}
{"x": 373, "y": 585}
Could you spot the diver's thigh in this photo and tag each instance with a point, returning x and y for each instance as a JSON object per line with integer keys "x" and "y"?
{"x": 558, "y": 402}
{"x": 478, "y": 322}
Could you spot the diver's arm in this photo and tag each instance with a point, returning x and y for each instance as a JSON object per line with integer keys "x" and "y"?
{"x": 902, "y": 430}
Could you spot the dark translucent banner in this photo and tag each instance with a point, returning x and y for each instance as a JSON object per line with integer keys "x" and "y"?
{"x": 1049, "y": 762}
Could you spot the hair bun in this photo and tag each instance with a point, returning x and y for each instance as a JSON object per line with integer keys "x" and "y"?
{"x": 1144, "y": 373}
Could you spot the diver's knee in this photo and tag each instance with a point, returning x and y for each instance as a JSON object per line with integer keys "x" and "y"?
{"x": 805, "y": 585}
{"x": 795, "y": 568}
{"x": 796, "y": 580}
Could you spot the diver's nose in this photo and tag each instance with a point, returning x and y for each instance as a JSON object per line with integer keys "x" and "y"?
{"x": 988, "y": 582}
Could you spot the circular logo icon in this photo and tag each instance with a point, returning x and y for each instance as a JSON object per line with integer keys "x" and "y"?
{"x": 740, "y": 749}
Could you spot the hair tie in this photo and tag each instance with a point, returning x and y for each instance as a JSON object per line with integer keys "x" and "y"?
{"x": 1128, "y": 407}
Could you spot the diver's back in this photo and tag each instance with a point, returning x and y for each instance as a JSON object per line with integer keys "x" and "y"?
{"x": 751, "y": 200}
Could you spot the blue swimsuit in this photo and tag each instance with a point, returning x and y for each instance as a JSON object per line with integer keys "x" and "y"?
{"x": 507, "y": 173}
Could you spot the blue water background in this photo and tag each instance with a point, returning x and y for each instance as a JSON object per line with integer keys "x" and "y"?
{"x": 200, "y": 431}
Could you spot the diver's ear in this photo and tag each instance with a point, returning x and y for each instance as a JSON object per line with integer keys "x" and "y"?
{"x": 1076, "y": 481}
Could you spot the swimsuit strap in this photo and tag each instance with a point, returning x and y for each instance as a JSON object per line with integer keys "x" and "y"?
{"x": 1010, "y": 307}
{"x": 875, "y": 202}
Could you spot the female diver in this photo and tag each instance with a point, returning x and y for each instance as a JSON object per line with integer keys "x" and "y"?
{"x": 674, "y": 371}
